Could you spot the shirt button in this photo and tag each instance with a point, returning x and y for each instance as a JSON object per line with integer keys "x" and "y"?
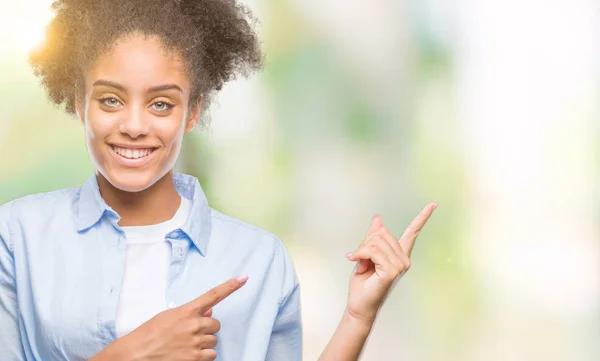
{"x": 181, "y": 252}
{"x": 172, "y": 305}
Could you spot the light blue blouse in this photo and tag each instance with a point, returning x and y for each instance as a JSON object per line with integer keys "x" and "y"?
{"x": 61, "y": 263}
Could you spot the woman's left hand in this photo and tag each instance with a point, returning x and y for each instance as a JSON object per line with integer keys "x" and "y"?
{"x": 381, "y": 260}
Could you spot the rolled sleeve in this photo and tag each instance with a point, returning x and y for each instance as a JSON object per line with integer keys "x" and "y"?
{"x": 286, "y": 337}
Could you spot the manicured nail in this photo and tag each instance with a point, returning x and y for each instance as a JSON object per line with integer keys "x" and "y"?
{"x": 348, "y": 255}
{"x": 243, "y": 278}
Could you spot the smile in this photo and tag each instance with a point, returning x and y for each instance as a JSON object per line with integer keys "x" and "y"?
{"x": 133, "y": 153}
{"x": 132, "y": 157}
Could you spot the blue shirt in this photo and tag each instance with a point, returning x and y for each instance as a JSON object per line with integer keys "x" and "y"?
{"x": 61, "y": 264}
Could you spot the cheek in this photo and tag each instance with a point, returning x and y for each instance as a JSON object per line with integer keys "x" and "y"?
{"x": 99, "y": 125}
{"x": 171, "y": 134}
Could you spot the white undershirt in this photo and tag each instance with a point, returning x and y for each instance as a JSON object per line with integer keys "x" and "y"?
{"x": 147, "y": 262}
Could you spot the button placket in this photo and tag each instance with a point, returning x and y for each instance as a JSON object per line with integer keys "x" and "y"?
{"x": 179, "y": 247}
{"x": 112, "y": 269}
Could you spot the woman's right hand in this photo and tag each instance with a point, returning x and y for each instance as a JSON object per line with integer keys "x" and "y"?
{"x": 185, "y": 333}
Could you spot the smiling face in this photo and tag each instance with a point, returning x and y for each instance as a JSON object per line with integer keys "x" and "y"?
{"x": 135, "y": 112}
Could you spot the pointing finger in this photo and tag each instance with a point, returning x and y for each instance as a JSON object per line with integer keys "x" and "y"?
{"x": 407, "y": 241}
{"x": 211, "y": 298}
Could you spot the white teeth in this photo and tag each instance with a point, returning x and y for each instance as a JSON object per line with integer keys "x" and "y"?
{"x": 132, "y": 154}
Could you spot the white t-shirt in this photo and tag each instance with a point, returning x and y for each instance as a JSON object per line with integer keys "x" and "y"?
{"x": 147, "y": 262}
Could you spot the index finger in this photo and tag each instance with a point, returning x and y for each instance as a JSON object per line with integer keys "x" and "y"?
{"x": 409, "y": 236}
{"x": 217, "y": 294}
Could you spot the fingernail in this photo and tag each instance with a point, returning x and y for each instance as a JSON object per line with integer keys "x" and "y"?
{"x": 375, "y": 216}
{"x": 243, "y": 278}
{"x": 348, "y": 255}
{"x": 435, "y": 205}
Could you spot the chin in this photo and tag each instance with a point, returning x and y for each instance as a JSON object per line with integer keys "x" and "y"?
{"x": 132, "y": 178}
{"x": 131, "y": 181}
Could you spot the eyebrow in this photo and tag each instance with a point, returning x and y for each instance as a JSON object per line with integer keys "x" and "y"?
{"x": 151, "y": 90}
{"x": 109, "y": 84}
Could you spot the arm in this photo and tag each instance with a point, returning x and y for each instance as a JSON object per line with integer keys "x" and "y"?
{"x": 183, "y": 333}
{"x": 11, "y": 347}
{"x": 381, "y": 260}
{"x": 286, "y": 335}
{"x": 348, "y": 340}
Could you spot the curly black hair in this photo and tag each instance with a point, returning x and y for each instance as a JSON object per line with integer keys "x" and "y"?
{"x": 215, "y": 38}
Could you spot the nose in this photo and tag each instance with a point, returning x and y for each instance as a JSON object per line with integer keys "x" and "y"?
{"x": 135, "y": 123}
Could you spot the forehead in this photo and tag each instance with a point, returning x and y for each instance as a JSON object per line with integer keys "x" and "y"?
{"x": 139, "y": 62}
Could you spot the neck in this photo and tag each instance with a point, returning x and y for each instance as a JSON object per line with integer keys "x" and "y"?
{"x": 154, "y": 205}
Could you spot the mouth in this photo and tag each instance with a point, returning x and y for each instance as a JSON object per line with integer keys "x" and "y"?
{"x": 129, "y": 153}
{"x": 132, "y": 157}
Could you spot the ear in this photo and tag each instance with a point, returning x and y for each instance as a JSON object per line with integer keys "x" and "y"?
{"x": 194, "y": 114}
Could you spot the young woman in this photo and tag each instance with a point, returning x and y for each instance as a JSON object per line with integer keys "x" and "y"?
{"x": 130, "y": 266}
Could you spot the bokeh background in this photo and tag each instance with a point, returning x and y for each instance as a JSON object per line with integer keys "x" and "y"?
{"x": 489, "y": 107}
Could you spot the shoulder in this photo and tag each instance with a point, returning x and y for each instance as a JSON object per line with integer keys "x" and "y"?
{"x": 5, "y": 216}
{"x": 38, "y": 205}
{"x": 242, "y": 234}
{"x": 5, "y": 212}
{"x": 242, "y": 231}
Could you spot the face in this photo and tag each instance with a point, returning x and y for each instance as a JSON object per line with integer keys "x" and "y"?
{"x": 135, "y": 112}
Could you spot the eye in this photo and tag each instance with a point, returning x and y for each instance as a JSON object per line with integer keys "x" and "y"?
{"x": 162, "y": 106}
{"x": 111, "y": 102}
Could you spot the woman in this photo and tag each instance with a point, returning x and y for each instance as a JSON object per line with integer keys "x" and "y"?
{"x": 130, "y": 266}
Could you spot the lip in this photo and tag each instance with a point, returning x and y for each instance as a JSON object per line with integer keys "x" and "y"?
{"x": 132, "y": 163}
{"x": 132, "y": 147}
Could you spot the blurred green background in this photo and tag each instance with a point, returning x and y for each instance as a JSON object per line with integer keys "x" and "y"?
{"x": 488, "y": 107}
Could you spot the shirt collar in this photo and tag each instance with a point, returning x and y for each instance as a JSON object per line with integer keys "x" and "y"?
{"x": 91, "y": 208}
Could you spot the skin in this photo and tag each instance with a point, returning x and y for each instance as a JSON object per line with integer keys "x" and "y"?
{"x": 381, "y": 260}
{"x": 183, "y": 333}
{"x": 124, "y": 105}
{"x": 137, "y": 96}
